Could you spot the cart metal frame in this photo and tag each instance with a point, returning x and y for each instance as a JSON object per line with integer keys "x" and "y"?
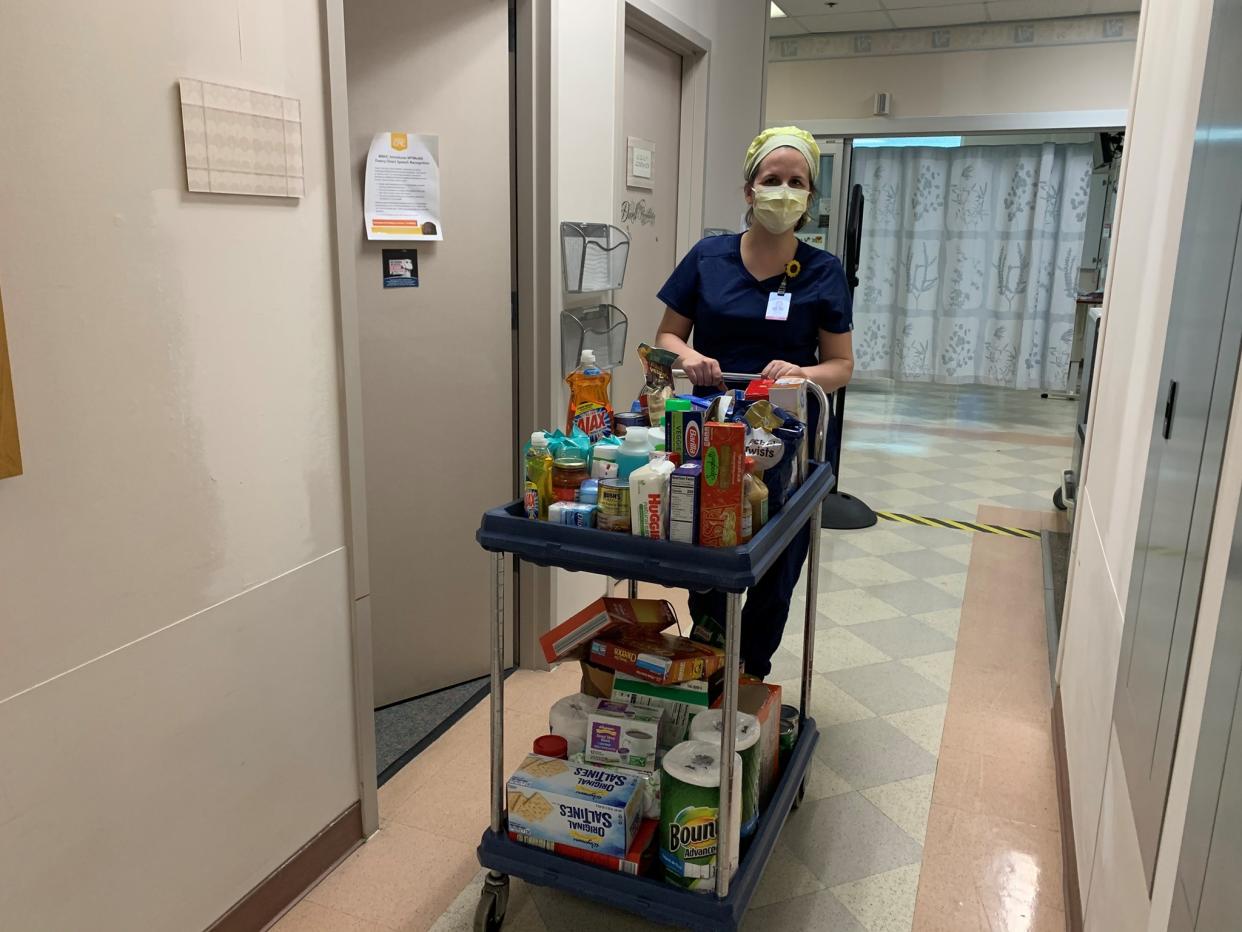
{"x": 661, "y": 902}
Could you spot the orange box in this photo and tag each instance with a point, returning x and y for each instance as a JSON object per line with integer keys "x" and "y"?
{"x": 724, "y": 465}
{"x": 600, "y": 616}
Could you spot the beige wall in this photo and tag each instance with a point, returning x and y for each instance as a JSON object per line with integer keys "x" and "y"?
{"x": 175, "y": 682}
{"x": 1172, "y": 45}
{"x": 951, "y": 84}
{"x": 587, "y": 79}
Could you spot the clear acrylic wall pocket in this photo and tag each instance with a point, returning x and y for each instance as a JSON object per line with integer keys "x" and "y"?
{"x": 601, "y": 327}
{"x": 593, "y": 256}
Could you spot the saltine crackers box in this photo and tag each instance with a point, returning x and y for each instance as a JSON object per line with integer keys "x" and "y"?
{"x": 581, "y": 805}
{"x": 720, "y": 500}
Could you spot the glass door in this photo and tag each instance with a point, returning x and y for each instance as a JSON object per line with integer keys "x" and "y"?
{"x": 823, "y": 229}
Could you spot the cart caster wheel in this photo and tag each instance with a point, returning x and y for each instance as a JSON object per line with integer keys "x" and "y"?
{"x": 489, "y": 915}
{"x": 1059, "y": 500}
{"x": 801, "y": 795}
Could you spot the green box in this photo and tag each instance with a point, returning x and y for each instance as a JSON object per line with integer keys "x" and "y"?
{"x": 680, "y": 702}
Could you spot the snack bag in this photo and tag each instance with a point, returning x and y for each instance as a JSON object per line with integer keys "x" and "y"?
{"x": 590, "y": 407}
{"x": 658, "y": 384}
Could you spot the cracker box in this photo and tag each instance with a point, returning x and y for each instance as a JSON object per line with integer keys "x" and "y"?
{"x": 580, "y": 805}
{"x": 720, "y": 505}
{"x": 683, "y": 502}
{"x": 601, "y": 615}
{"x": 683, "y": 435}
{"x": 657, "y": 658}
{"x": 623, "y": 735}
{"x": 680, "y": 702}
{"x": 636, "y": 862}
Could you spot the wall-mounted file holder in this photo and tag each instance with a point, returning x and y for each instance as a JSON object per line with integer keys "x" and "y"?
{"x": 601, "y": 328}
{"x": 593, "y": 256}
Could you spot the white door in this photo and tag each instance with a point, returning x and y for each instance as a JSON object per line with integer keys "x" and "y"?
{"x": 437, "y": 376}
{"x": 652, "y": 113}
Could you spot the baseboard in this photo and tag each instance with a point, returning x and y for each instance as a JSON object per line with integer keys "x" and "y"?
{"x": 1069, "y": 851}
{"x": 284, "y": 886}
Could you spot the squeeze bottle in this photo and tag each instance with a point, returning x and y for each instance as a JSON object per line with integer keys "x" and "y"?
{"x": 537, "y": 494}
{"x": 590, "y": 405}
{"x": 634, "y": 452}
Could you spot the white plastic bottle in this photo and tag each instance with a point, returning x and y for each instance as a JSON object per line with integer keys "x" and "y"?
{"x": 635, "y": 452}
{"x": 649, "y": 498}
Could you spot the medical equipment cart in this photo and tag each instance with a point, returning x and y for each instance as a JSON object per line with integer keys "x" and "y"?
{"x": 507, "y": 530}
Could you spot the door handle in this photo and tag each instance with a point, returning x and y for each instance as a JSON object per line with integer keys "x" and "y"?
{"x": 1169, "y": 404}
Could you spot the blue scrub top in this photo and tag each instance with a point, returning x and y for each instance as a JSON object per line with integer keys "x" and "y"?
{"x": 727, "y": 304}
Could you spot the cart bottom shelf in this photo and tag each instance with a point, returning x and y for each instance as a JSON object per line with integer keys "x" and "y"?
{"x": 653, "y": 899}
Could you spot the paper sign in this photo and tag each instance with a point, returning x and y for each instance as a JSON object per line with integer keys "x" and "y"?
{"x": 640, "y": 163}
{"x": 400, "y": 268}
{"x": 402, "y": 191}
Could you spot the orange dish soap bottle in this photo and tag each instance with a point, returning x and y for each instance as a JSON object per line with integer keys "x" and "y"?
{"x": 590, "y": 407}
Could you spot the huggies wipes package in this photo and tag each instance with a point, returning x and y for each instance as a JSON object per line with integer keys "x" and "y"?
{"x": 582, "y": 805}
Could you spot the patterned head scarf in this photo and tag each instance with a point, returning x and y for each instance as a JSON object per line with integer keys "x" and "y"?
{"x": 776, "y": 138}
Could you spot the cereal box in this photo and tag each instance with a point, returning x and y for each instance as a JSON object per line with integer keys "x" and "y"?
{"x": 623, "y": 735}
{"x": 720, "y": 505}
{"x": 601, "y": 615}
{"x": 581, "y": 805}
{"x": 657, "y": 658}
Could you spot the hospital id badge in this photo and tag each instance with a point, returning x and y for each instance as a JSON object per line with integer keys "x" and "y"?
{"x": 778, "y": 306}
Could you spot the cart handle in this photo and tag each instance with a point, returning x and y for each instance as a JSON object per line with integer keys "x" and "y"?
{"x": 821, "y": 427}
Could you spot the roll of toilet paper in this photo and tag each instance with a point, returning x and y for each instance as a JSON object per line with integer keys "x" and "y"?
{"x": 568, "y": 718}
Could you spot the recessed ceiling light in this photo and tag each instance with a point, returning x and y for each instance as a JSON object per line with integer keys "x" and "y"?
{"x": 774, "y": 11}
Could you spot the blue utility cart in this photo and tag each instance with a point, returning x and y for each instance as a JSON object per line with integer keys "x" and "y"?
{"x": 506, "y": 530}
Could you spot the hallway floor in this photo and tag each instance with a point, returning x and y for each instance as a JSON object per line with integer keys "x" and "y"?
{"x": 932, "y": 801}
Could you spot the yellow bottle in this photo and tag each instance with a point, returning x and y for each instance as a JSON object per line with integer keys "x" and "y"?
{"x": 537, "y": 495}
{"x": 754, "y": 502}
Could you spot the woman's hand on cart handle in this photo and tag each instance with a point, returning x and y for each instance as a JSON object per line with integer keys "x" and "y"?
{"x": 779, "y": 369}
{"x": 701, "y": 370}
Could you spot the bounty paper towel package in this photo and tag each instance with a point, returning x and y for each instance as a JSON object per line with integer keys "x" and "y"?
{"x": 582, "y": 805}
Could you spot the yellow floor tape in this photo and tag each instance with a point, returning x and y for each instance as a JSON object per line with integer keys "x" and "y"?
{"x": 959, "y": 525}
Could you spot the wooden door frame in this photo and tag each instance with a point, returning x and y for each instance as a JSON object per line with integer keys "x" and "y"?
{"x": 657, "y": 24}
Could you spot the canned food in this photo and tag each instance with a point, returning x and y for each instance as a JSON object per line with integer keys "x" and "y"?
{"x": 614, "y": 497}
{"x": 624, "y": 420}
{"x": 607, "y": 522}
{"x": 789, "y": 728}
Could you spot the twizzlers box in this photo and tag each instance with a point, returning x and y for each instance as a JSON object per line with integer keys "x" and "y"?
{"x": 720, "y": 506}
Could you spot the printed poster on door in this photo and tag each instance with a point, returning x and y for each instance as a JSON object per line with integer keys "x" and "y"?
{"x": 401, "y": 197}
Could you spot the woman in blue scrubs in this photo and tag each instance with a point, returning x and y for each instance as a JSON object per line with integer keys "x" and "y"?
{"x": 762, "y": 301}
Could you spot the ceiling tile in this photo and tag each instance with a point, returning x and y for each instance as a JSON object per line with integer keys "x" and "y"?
{"x": 1115, "y": 6}
{"x": 785, "y": 26}
{"x": 820, "y": 7}
{"x": 1005, "y": 10}
{"x": 939, "y": 15}
{"x": 847, "y": 22}
{"x": 913, "y": 4}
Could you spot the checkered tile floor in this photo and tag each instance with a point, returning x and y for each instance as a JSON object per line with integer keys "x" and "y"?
{"x": 894, "y": 461}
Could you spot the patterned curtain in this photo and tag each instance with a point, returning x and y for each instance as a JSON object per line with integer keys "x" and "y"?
{"x": 969, "y": 264}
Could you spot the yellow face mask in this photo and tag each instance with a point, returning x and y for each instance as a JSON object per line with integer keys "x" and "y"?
{"x": 778, "y": 208}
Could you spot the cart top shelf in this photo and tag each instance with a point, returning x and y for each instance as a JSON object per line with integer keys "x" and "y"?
{"x": 733, "y": 569}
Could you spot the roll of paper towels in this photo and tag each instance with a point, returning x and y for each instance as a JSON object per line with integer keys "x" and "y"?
{"x": 568, "y": 718}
